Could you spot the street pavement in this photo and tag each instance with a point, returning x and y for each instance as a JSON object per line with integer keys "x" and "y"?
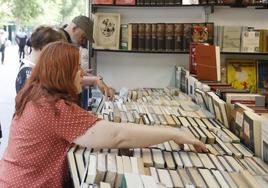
{"x": 8, "y": 73}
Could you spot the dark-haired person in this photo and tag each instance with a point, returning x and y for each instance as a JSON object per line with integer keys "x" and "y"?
{"x": 21, "y": 38}
{"x": 42, "y": 36}
{"x": 48, "y": 120}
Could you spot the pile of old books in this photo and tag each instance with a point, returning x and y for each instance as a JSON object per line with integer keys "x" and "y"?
{"x": 228, "y": 163}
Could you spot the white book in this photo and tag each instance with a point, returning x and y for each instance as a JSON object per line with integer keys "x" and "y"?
{"x": 73, "y": 167}
{"x": 131, "y": 180}
{"x": 92, "y": 169}
{"x": 126, "y": 164}
{"x": 134, "y": 165}
{"x": 148, "y": 181}
{"x": 111, "y": 169}
{"x": 220, "y": 179}
{"x": 158, "y": 158}
{"x": 154, "y": 174}
{"x": 165, "y": 178}
{"x": 101, "y": 167}
{"x": 120, "y": 171}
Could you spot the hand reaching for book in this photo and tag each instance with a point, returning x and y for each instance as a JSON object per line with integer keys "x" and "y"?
{"x": 184, "y": 137}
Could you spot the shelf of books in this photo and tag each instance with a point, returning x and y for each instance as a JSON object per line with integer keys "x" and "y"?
{"x": 235, "y": 136}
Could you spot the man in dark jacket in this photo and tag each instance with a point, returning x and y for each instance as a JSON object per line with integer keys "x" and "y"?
{"x": 21, "y": 38}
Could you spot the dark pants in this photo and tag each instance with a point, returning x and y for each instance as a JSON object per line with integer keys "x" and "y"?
{"x": 2, "y": 50}
{"x": 21, "y": 51}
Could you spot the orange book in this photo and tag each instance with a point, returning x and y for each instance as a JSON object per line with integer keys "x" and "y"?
{"x": 208, "y": 62}
{"x": 103, "y": 2}
{"x": 125, "y": 2}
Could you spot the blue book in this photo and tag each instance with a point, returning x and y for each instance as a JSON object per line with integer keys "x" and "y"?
{"x": 263, "y": 76}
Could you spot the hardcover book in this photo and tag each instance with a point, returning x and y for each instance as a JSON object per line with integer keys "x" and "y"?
{"x": 242, "y": 74}
{"x": 231, "y": 39}
{"x": 148, "y": 37}
{"x": 124, "y": 37}
{"x": 200, "y": 33}
{"x": 154, "y": 37}
{"x": 160, "y": 33}
{"x": 208, "y": 62}
{"x": 178, "y": 32}
{"x": 263, "y": 76}
{"x": 125, "y": 2}
{"x": 141, "y": 36}
{"x": 134, "y": 29}
{"x": 103, "y": 2}
{"x": 187, "y": 36}
{"x": 250, "y": 41}
{"x": 264, "y": 141}
{"x": 169, "y": 32}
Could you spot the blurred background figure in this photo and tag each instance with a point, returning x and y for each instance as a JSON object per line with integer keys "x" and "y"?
{"x": 3, "y": 42}
{"x": 21, "y": 38}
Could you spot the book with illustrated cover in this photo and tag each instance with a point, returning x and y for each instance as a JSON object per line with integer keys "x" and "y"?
{"x": 200, "y": 33}
{"x": 231, "y": 38}
{"x": 242, "y": 74}
{"x": 250, "y": 41}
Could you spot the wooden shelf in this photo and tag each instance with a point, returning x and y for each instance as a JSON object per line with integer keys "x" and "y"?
{"x": 173, "y": 52}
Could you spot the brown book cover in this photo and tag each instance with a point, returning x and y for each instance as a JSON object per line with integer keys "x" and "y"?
{"x": 208, "y": 62}
{"x": 141, "y": 36}
{"x": 134, "y": 27}
{"x": 147, "y": 2}
{"x": 148, "y": 37}
{"x": 178, "y": 32}
{"x": 103, "y": 2}
{"x": 169, "y": 32}
{"x": 154, "y": 37}
{"x": 169, "y": 2}
{"x": 153, "y": 2}
{"x": 203, "y": 2}
{"x": 187, "y": 36}
{"x": 160, "y": 2}
{"x": 160, "y": 33}
{"x": 177, "y": 2}
{"x": 125, "y": 2}
{"x": 210, "y": 29}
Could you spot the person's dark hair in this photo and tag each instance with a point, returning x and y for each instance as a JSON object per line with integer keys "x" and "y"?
{"x": 44, "y": 35}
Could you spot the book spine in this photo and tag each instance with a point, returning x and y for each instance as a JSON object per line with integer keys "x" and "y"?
{"x": 154, "y": 38}
{"x": 169, "y": 2}
{"x": 177, "y": 2}
{"x": 134, "y": 36}
{"x": 210, "y": 27}
{"x": 148, "y": 37}
{"x": 153, "y": 2}
{"x": 160, "y": 36}
{"x": 161, "y": 2}
{"x": 187, "y": 36}
{"x": 141, "y": 36}
{"x": 178, "y": 34}
{"x": 147, "y": 2}
{"x": 124, "y": 37}
{"x": 169, "y": 39}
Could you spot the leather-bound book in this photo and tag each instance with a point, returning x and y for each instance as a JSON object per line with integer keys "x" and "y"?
{"x": 148, "y": 36}
{"x": 153, "y": 2}
{"x": 210, "y": 27}
{"x": 134, "y": 36}
{"x": 187, "y": 36}
{"x": 169, "y": 37}
{"x": 140, "y": 2}
{"x": 160, "y": 2}
{"x": 160, "y": 36}
{"x": 178, "y": 34}
{"x": 169, "y": 2}
{"x": 141, "y": 36}
{"x": 177, "y": 2}
{"x": 154, "y": 38}
{"x": 147, "y": 2}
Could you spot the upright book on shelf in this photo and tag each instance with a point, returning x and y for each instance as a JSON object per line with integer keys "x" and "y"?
{"x": 250, "y": 41}
{"x": 125, "y": 2}
{"x": 242, "y": 74}
{"x": 103, "y": 2}
{"x": 263, "y": 76}
{"x": 208, "y": 62}
{"x": 231, "y": 38}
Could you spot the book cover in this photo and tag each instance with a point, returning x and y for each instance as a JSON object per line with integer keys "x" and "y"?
{"x": 242, "y": 74}
{"x": 103, "y": 2}
{"x": 208, "y": 62}
{"x": 200, "y": 33}
{"x": 231, "y": 39}
{"x": 263, "y": 76}
{"x": 250, "y": 41}
{"x": 125, "y": 2}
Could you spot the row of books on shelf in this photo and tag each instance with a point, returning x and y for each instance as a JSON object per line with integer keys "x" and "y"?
{"x": 243, "y": 74}
{"x": 241, "y": 39}
{"x": 164, "y": 36}
{"x": 178, "y": 2}
{"x": 172, "y": 169}
{"x": 227, "y": 157}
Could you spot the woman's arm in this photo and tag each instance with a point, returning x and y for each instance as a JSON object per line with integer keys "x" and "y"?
{"x": 113, "y": 135}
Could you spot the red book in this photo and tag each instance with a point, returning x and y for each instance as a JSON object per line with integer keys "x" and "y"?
{"x": 208, "y": 62}
{"x": 125, "y": 2}
{"x": 103, "y": 2}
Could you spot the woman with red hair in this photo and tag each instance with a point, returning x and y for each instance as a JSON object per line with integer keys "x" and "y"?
{"x": 48, "y": 120}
